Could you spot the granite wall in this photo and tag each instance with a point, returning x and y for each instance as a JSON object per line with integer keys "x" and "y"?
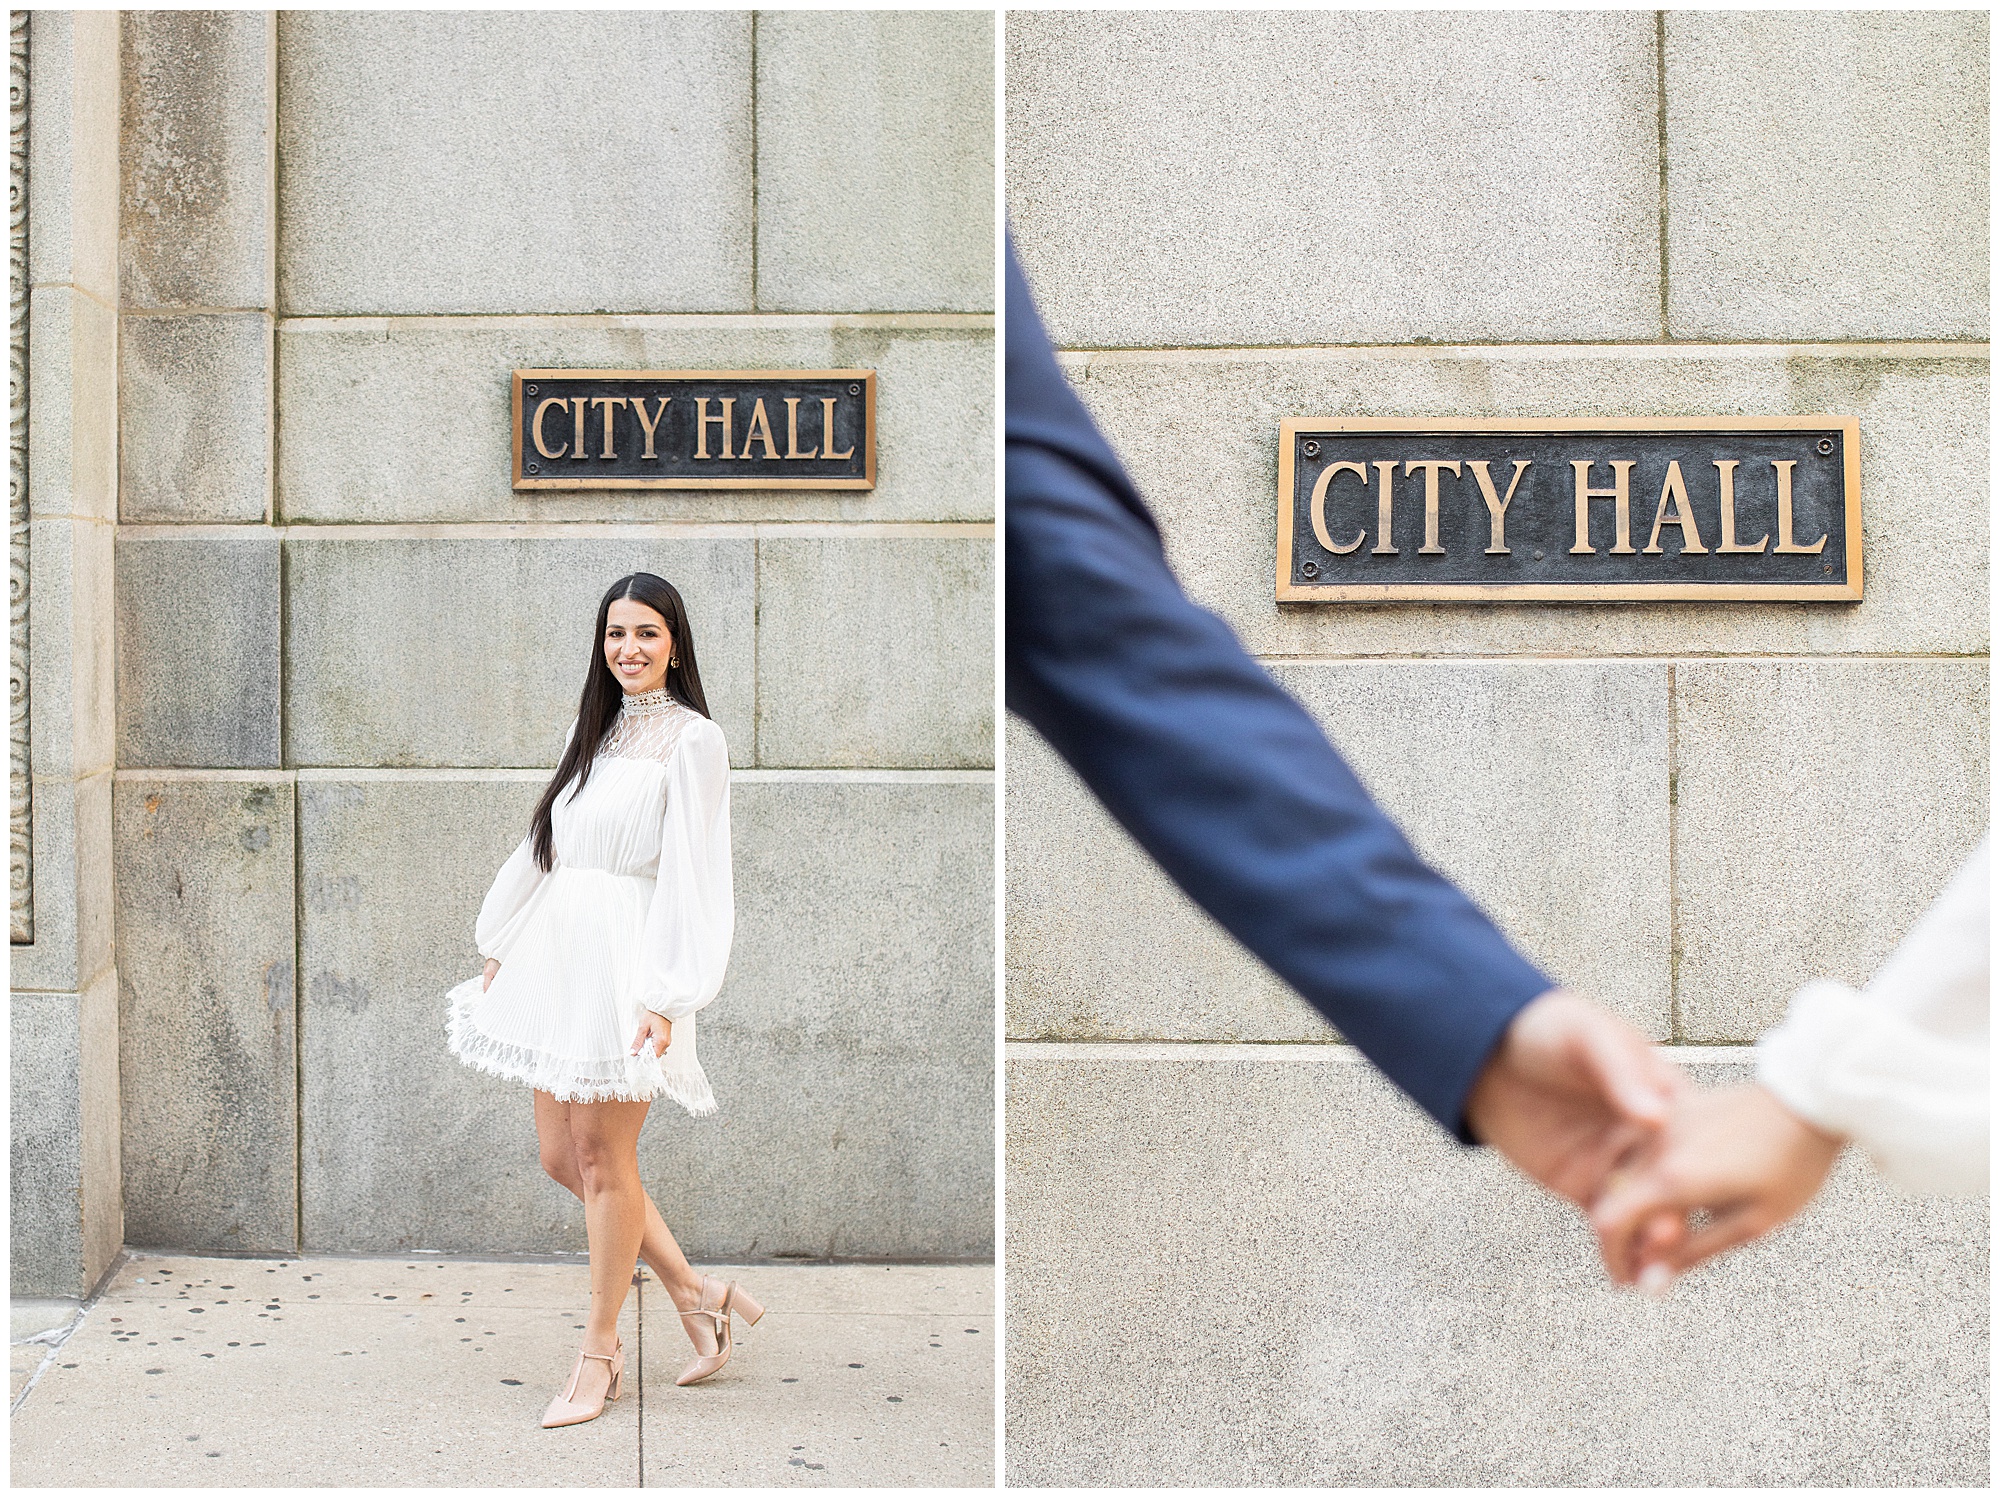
{"x": 1231, "y": 218}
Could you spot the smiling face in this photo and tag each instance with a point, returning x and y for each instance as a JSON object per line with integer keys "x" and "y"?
{"x": 637, "y": 646}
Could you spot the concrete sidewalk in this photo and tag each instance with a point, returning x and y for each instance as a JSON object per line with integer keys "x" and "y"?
{"x": 427, "y": 1371}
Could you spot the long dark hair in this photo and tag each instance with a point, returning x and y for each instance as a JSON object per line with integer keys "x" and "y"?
{"x": 603, "y": 693}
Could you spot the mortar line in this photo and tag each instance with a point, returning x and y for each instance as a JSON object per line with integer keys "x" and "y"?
{"x": 298, "y": 916}
{"x": 757, "y": 651}
{"x": 1746, "y": 658}
{"x": 756, "y": 200}
{"x": 1660, "y": 99}
{"x": 911, "y": 319}
{"x": 549, "y": 530}
{"x": 285, "y": 641}
{"x": 1673, "y": 858}
{"x": 1069, "y": 354}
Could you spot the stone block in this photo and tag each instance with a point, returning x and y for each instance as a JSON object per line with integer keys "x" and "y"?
{"x": 73, "y": 151}
{"x": 1199, "y": 434}
{"x": 875, "y": 651}
{"x": 430, "y": 442}
{"x": 402, "y": 1147}
{"x": 1822, "y": 805}
{"x": 572, "y": 161}
{"x": 1184, "y": 178}
{"x": 198, "y": 170}
{"x": 1294, "y": 1279}
{"x": 850, "y": 1049}
{"x": 875, "y": 161}
{"x": 195, "y": 417}
{"x": 1101, "y": 945}
{"x": 45, "y": 1112}
{"x": 73, "y": 906}
{"x": 199, "y": 639}
{"x": 405, "y": 652}
{"x": 207, "y": 947}
{"x": 63, "y": 1110}
{"x": 71, "y": 678}
{"x": 73, "y": 404}
{"x": 1827, "y": 174}
{"x": 1572, "y": 866}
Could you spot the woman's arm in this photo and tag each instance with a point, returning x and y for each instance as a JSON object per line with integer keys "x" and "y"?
{"x": 693, "y": 914}
{"x": 506, "y": 902}
{"x": 1901, "y": 1067}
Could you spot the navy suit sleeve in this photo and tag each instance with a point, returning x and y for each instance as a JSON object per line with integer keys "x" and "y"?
{"x": 1218, "y": 773}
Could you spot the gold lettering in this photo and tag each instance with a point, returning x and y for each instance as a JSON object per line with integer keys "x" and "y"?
{"x": 581, "y": 407}
{"x": 760, "y": 430}
{"x": 541, "y": 442}
{"x": 1726, "y": 467}
{"x": 702, "y": 421}
{"x": 1496, "y": 507}
{"x": 1430, "y": 467}
{"x": 792, "y": 430}
{"x": 1675, "y": 491}
{"x": 1385, "y": 507}
{"x": 1620, "y": 493}
{"x": 649, "y": 427}
{"x": 1786, "y": 544}
{"x": 826, "y": 432}
{"x": 606, "y": 402}
{"x": 1360, "y": 471}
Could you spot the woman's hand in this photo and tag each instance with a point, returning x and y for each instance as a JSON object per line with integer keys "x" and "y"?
{"x": 1738, "y": 1155}
{"x": 655, "y": 1030}
{"x": 492, "y": 967}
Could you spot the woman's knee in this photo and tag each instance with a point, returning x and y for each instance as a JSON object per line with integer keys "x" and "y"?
{"x": 559, "y": 1161}
{"x": 601, "y": 1164}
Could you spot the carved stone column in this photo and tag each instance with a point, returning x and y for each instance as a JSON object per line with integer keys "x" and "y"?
{"x": 66, "y": 1200}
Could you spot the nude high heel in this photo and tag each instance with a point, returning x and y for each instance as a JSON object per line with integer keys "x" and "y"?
{"x": 718, "y": 1300}
{"x": 564, "y": 1408}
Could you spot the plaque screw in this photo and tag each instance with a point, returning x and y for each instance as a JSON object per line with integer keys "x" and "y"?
{"x": 853, "y": 389}
{"x": 1538, "y": 556}
{"x": 534, "y": 390}
{"x": 1310, "y": 569}
{"x": 534, "y": 468}
{"x": 1826, "y": 447}
{"x": 1827, "y": 569}
{"x": 1312, "y": 449}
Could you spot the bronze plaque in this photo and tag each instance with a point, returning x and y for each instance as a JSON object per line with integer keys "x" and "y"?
{"x": 694, "y": 429}
{"x": 1575, "y": 509}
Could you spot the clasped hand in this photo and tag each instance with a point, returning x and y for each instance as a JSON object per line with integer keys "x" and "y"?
{"x": 1582, "y": 1103}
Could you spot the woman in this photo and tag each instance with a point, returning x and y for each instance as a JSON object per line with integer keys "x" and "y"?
{"x": 603, "y": 934}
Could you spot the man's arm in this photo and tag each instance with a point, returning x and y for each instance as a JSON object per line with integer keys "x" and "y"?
{"x": 1223, "y": 778}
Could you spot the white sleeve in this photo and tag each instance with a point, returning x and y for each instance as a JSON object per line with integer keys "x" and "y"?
{"x": 693, "y": 915}
{"x": 500, "y": 914}
{"x": 1901, "y": 1067}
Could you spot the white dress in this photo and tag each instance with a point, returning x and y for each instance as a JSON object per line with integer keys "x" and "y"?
{"x": 1901, "y": 1067}
{"x": 637, "y": 914}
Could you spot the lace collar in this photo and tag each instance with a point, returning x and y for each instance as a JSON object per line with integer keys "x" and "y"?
{"x": 646, "y": 704}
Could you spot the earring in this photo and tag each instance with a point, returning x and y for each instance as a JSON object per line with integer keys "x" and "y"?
{"x": 673, "y": 660}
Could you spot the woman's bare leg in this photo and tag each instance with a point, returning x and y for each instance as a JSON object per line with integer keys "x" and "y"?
{"x": 658, "y": 1248}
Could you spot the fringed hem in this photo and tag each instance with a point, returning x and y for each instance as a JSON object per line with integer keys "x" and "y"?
{"x": 559, "y": 1077}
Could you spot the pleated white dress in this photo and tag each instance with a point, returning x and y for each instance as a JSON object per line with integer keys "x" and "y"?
{"x": 637, "y": 914}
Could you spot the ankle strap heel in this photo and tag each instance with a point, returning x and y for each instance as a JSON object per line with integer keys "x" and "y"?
{"x": 719, "y": 1299}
